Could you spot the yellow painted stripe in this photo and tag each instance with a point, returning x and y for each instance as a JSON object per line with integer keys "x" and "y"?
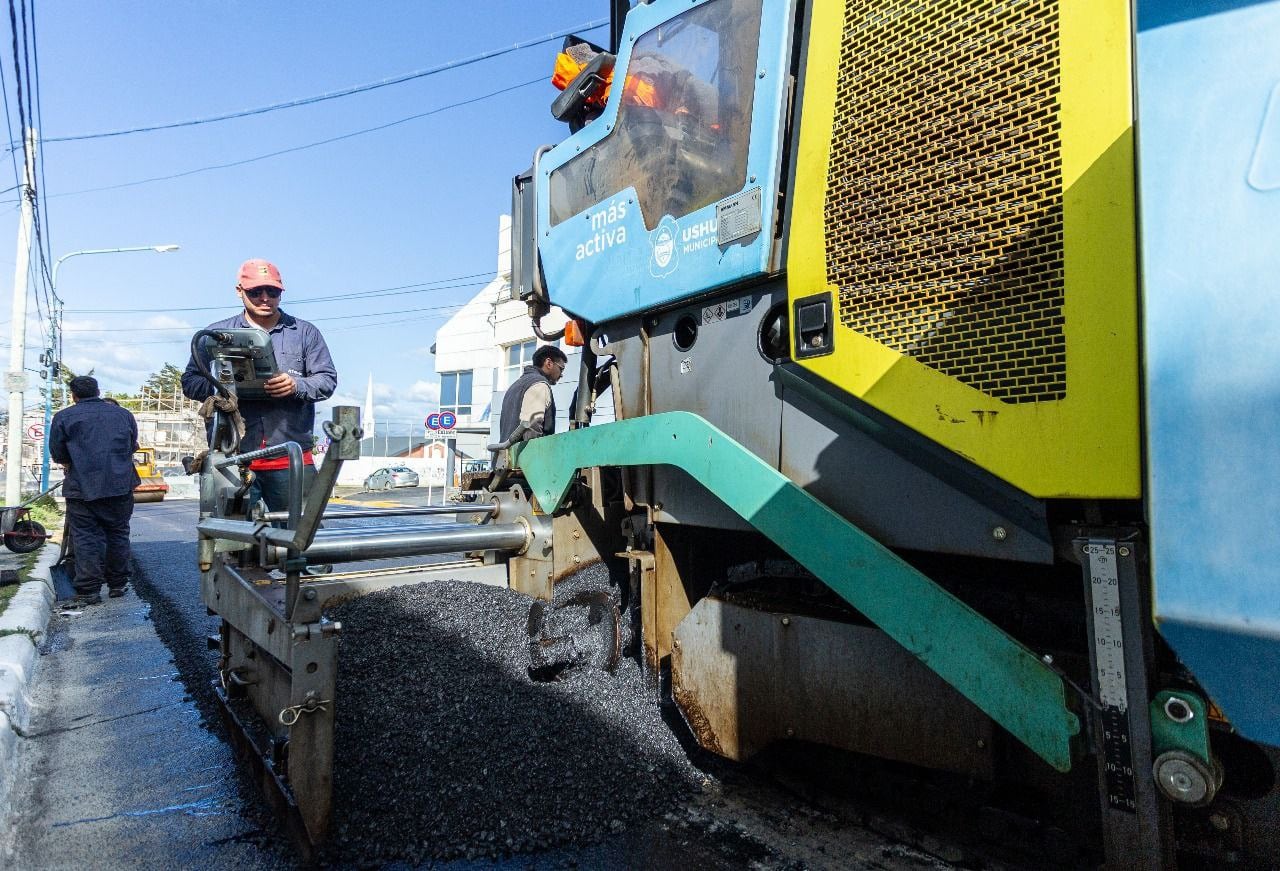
{"x": 363, "y": 503}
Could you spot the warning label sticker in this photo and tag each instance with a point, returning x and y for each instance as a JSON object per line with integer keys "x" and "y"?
{"x": 722, "y": 310}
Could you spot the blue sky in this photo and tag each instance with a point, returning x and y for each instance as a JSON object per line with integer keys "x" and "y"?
{"x": 415, "y": 203}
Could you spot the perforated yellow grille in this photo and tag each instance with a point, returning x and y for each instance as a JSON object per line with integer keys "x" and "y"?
{"x": 944, "y": 195}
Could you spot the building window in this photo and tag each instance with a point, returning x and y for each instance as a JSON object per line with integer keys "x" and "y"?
{"x": 455, "y": 393}
{"x": 518, "y": 356}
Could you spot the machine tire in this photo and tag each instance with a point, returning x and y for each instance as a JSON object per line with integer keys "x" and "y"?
{"x": 148, "y": 496}
{"x": 26, "y": 536}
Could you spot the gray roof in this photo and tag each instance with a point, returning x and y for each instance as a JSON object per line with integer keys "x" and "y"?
{"x": 389, "y": 446}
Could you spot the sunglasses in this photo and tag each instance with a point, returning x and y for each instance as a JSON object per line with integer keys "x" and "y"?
{"x": 259, "y": 292}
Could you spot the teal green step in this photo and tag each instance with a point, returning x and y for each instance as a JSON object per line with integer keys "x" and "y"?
{"x": 1003, "y": 678}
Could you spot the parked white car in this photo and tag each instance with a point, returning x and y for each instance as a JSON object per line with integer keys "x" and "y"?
{"x": 390, "y": 477}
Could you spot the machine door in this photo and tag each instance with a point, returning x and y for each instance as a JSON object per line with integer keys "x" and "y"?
{"x": 672, "y": 191}
{"x": 961, "y": 252}
{"x": 1210, "y": 213}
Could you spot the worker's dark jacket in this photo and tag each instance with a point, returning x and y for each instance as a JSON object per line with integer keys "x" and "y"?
{"x": 97, "y": 439}
{"x": 530, "y": 400}
{"x": 300, "y": 351}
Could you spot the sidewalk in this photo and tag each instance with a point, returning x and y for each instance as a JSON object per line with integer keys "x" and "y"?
{"x": 116, "y": 768}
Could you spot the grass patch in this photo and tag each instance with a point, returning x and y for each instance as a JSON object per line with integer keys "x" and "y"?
{"x": 7, "y": 592}
{"x": 46, "y": 512}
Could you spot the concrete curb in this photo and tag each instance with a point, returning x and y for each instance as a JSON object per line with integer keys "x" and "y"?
{"x": 8, "y": 760}
{"x": 30, "y": 608}
{"x": 17, "y": 663}
{"x": 28, "y": 614}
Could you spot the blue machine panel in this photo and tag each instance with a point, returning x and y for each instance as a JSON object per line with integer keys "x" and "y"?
{"x": 1209, "y": 151}
{"x": 672, "y": 190}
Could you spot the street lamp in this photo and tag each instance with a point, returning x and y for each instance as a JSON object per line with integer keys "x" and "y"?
{"x": 159, "y": 249}
{"x": 54, "y": 323}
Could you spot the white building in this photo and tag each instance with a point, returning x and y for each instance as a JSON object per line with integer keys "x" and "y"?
{"x": 485, "y": 346}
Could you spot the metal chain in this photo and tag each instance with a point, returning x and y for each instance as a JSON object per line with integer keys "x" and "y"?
{"x": 293, "y": 713}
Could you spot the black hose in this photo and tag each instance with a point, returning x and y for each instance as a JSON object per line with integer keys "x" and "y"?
{"x": 546, "y": 337}
{"x": 200, "y": 364}
{"x": 604, "y": 377}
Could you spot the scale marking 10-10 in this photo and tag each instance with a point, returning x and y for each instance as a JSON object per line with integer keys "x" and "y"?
{"x": 1108, "y": 644}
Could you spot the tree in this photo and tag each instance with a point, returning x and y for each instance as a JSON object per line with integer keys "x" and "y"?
{"x": 166, "y": 382}
{"x": 161, "y": 389}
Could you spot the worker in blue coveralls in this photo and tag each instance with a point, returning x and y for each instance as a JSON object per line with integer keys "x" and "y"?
{"x": 306, "y": 376}
{"x": 94, "y": 441}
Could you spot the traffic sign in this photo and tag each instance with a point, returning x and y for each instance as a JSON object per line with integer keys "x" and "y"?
{"x": 35, "y": 432}
{"x": 441, "y": 420}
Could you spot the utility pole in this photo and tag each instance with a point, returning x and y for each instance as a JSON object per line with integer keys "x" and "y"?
{"x": 16, "y": 378}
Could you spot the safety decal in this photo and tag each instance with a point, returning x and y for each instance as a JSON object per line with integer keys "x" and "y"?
{"x": 724, "y": 310}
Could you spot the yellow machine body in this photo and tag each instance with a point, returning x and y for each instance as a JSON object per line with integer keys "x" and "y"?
{"x": 153, "y": 486}
{"x": 979, "y": 251}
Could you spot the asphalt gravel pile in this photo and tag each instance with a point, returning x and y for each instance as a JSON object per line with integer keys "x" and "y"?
{"x": 445, "y": 748}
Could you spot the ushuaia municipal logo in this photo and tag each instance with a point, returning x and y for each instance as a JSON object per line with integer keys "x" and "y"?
{"x": 665, "y": 254}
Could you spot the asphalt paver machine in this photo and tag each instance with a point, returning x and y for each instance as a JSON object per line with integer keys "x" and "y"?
{"x": 945, "y": 412}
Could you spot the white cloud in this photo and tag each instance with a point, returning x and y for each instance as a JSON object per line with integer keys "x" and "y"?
{"x": 425, "y": 391}
{"x": 166, "y": 322}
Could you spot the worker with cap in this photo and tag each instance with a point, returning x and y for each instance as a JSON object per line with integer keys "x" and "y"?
{"x": 306, "y": 376}
{"x": 94, "y": 440}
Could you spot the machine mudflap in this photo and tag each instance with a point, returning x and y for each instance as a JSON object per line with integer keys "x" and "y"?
{"x": 745, "y": 678}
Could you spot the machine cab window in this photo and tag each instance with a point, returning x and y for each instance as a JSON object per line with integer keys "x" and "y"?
{"x": 684, "y": 123}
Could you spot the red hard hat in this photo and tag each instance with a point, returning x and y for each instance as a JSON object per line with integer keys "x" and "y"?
{"x": 258, "y": 273}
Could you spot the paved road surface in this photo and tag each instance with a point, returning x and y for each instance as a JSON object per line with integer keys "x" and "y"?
{"x": 127, "y": 766}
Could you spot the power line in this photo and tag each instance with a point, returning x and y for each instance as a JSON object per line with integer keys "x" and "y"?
{"x": 434, "y": 308}
{"x": 17, "y": 71}
{"x": 47, "y": 252}
{"x": 344, "y": 92}
{"x": 13, "y": 155}
{"x": 28, "y": 159}
{"x": 435, "y": 317}
{"x": 33, "y": 278}
{"x": 398, "y": 290}
{"x": 26, "y": 64}
{"x": 295, "y": 148}
{"x": 44, "y": 242}
{"x": 186, "y": 340}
